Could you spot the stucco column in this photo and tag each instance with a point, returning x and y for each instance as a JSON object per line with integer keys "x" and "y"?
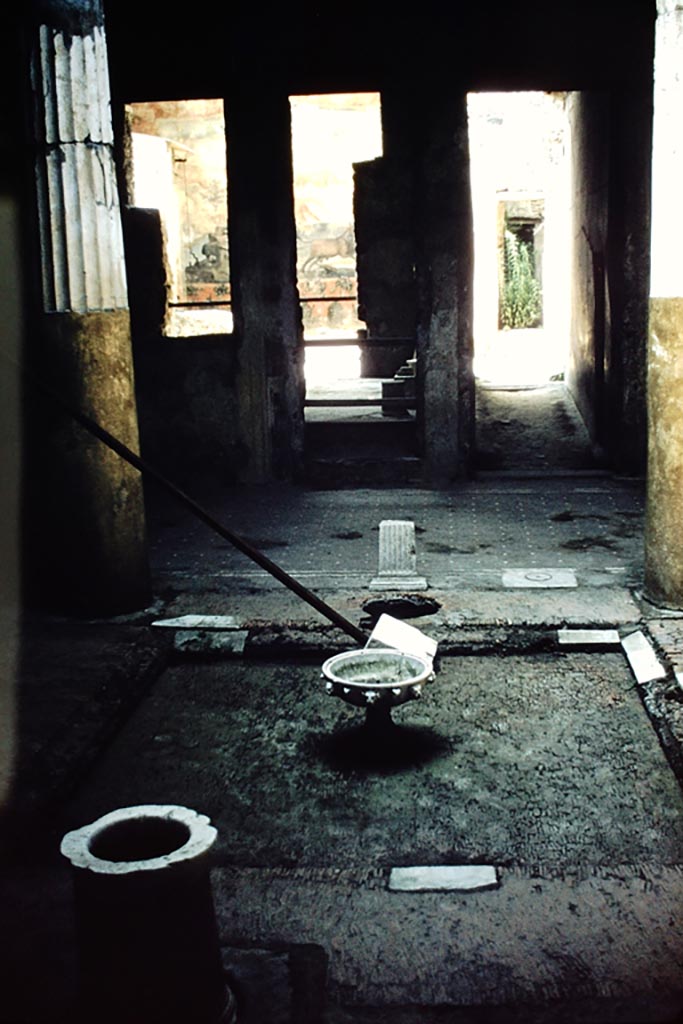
{"x": 664, "y": 517}
{"x": 86, "y": 537}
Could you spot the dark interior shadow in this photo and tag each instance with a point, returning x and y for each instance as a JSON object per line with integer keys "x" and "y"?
{"x": 357, "y": 748}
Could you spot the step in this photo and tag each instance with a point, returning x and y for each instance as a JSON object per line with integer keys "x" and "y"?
{"x": 369, "y": 471}
{"x": 387, "y": 434}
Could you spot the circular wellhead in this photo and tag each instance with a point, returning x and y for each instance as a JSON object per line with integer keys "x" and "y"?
{"x": 148, "y": 837}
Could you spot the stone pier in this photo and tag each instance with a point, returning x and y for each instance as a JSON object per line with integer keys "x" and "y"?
{"x": 664, "y": 521}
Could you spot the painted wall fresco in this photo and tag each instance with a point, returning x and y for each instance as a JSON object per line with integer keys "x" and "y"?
{"x": 179, "y": 167}
{"x": 329, "y": 134}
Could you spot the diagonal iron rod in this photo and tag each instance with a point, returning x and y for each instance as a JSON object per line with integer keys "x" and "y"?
{"x": 201, "y": 513}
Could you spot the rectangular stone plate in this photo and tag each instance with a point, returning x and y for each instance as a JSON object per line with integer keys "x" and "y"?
{"x": 641, "y": 656}
{"x": 539, "y": 578}
{"x": 442, "y": 878}
{"x": 199, "y": 622}
{"x": 588, "y": 638}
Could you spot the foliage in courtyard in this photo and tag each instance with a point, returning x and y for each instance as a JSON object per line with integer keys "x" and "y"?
{"x": 520, "y": 298}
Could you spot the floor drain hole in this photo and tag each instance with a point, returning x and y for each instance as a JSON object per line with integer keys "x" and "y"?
{"x": 403, "y": 606}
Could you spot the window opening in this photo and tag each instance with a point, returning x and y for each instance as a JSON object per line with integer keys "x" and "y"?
{"x": 179, "y": 168}
{"x": 329, "y": 134}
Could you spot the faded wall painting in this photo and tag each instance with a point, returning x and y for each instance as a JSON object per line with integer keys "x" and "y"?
{"x": 329, "y": 134}
{"x": 179, "y": 168}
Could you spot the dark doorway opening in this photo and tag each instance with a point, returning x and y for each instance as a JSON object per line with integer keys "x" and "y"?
{"x": 526, "y": 419}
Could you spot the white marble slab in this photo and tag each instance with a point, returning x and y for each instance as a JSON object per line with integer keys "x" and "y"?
{"x": 199, "y": 622}
{"x": 548, "y": 578}
{"x": 441, "y": 878}
{"x": 588, "y": 638}
{"x": 644, "y": 663}
{"x": 402, "y": 636}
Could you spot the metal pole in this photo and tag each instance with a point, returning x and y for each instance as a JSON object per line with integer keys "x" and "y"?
{"x": 239, "y": 542}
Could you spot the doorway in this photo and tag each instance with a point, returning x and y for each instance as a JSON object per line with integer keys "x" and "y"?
{"x": 348, "y": 431}
{"x": 330, "y": 133}
{"x": 526, "y": 418}
{"x": 178, "y": 167}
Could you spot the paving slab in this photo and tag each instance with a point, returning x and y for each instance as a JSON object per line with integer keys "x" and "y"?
{"x": 642, "y": 658}
{"x": 539, "y": 578}
{"x": 443, "y": 878}
{"x": 592, "y": 639}
{"x": 195, "y": 622}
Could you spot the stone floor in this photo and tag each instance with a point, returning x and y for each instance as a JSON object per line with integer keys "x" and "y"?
{"x": 522, "y": 760}
{"x": 554, "y": 766}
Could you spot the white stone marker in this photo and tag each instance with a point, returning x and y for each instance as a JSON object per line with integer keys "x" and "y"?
{"x": 199, "y": 622}
{"x": 588, "y": 638}
{"x": 549, "y": 578}
{"x": 442, "y": 878}
{"x": 397, "y": 557}
{"x": 643, "y": 661}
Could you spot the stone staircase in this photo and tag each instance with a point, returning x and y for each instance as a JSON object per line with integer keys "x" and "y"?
{"x": 367, "y": 445}
{"x": 363, "y": 452}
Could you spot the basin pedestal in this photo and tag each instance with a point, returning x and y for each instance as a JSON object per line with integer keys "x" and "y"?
{"x": 378, "y": 719}
{"x": 147, "y": 936}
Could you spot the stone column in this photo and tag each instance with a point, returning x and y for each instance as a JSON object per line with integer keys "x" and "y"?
{"x": 86, "y": 538}
{"x": 664, "y": 516}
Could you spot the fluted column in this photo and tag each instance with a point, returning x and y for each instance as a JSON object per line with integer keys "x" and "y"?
{"x": 85, "y": 537}
{"x": 81, "y": 240}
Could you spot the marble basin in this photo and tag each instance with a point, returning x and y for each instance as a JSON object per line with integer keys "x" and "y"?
{"x": 376, "y": 679}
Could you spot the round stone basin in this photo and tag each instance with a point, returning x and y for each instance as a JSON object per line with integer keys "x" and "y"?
{"x": 374, "y": 678}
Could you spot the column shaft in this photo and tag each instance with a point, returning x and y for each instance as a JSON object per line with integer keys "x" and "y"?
{"x": 84, "y": 538}
{"x": 664, "y": 517}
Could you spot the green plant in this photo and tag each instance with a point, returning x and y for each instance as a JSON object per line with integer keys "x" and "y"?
{"x": 520, "y": 298}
